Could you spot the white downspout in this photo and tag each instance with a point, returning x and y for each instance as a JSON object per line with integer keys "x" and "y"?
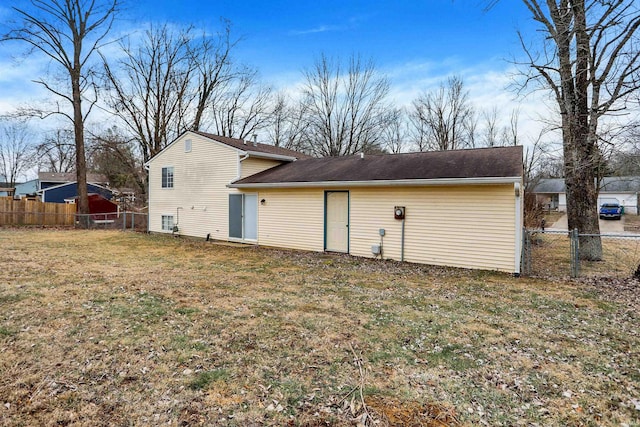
{"x": 240, "y": 159}
{"x": 517, "y": 188}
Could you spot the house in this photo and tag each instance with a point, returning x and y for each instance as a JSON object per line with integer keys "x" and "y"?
{"x": 458, "y": 208}
{"x": 27, "y": 189}
{"x": 551, "y": 193}
{"x": 52, "y": 179}
{"x": 67, "y": 192}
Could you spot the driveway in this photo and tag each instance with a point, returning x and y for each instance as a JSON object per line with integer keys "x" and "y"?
{"x": 606, "y": 225}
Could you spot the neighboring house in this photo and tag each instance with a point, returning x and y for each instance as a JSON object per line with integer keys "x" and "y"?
{"x": 27, "y": 189}
{"x": 52, "y": 179}
{"x": 551, "y": 193}
{"x": 67, "y": 193}
{"x": 463, "y": 208}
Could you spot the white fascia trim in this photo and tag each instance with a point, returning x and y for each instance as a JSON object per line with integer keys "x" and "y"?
{"x": 384, "y": 183}
{"x": 72, "y": 182}
{"x": 261, "y": 155}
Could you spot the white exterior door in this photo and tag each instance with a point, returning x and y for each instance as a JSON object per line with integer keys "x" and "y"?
{"x": 337, "y": 221}
{"x": 250, "y": 217}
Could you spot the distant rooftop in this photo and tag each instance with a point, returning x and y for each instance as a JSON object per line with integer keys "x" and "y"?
{"x": 247, "y": 145}
{"x": 609, "y": 184}
{"x": 63, "y": 177}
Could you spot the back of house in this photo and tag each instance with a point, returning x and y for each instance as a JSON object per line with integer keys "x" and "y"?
{"x": 459, "y": 208}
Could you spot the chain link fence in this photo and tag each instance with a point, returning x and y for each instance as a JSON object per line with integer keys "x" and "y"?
{"x": 557, "y": 254}
{"x": 109, "y": 221}
{"x": 113, "y": 221}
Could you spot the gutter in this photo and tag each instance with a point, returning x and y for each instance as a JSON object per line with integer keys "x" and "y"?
{"x": 383, "y": 183}
{"x": 262, "y": 155}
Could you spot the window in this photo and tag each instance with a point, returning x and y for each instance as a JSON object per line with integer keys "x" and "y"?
{"x": 167, "y": 177}
{"x": 187, "y": 145}
{"x": 167, "y": 222}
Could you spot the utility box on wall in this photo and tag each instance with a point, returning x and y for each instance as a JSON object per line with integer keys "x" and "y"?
{"x": 399, "y": 212}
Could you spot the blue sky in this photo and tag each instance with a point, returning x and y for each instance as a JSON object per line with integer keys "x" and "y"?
{"x": 417, "y": 44}
{"x": 286, "y": 35}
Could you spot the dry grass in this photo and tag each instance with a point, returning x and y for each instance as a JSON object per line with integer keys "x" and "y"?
{"x": 551, "y": 217}
{"x": 550, "y": 256}
{"x": 632, "y": 223}
{"x": 108, "y": 328}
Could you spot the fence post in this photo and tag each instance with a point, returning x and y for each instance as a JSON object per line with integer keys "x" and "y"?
{"x": 124, "y": 222}
{"x": 575, "y": 253}
{"x": 525, "y": 260}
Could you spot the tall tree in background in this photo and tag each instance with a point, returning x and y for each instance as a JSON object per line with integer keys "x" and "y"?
{"x": 16, "y": 149}
{"x": 440, "y": 118}
{"x": 345, "y": 108}
{"x": 286, "y": 127}
{"x": 240, "y": 107}
{"x": 589, "y": 60}
{"x": 56, "y": 153}
{"x": 113, "y": 156}
{"x": 214, "y": 68}
{"x": 149, "y": 89}
{"x": 490, "y": 128}
{"x": 169, "y": 81}
{"x": 69, "y": 32}
{"x": 395, "y": 133}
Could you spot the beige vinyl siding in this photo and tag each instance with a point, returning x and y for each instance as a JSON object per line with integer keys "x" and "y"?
{"x": 291, "y": 218}
{"x": 459, "y": 226}
{"x": 199, "y": 199}
{"x": 251, "y": 166}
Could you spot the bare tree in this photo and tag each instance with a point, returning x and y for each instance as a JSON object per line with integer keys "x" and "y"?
{"x": 418, "y": 129}
{"x": 510, "y": 133}
{"x": 214, "y": 68}
{"x": 470, "y": 130}
{"x": 441, "y": 116}
{"x": 16, "y": 150}
{"x": 394, "y": 133}
{"x": 241, "y": 106}
{"x": 491, "y": 127}
{"x": 114, "y": 156}
{"x": 149, "y": 89}
{"x": 56, "y": 153}
{"x": 589, "y": 60}
{"x": 69, "y": 32}
{"x": 286, "y": 126}
{"x": 345, "y": 109}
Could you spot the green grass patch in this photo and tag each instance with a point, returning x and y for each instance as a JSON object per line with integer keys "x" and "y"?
{"x": 204, "y": 379}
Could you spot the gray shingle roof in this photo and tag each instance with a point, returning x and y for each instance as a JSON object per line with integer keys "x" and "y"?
{"x": 609, "y": 184}
{"x": 251, "y": 146}
{"x": 63, "y": 177}
{"x": 550, "y": 185}
{"x": 475, "y": 163}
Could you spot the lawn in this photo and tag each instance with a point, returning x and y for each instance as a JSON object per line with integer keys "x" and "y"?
{"x": 112, "y": 328}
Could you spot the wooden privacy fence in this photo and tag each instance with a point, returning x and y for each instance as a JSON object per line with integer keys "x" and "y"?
{"x": 32, "y": 212}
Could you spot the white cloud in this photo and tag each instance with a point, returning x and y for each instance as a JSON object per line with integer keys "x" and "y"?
{"x": 318, "y": 29}
{"x": 489, "y": 85}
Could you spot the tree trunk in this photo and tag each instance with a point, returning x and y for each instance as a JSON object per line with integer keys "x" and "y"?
{"x": 78, "y": 128}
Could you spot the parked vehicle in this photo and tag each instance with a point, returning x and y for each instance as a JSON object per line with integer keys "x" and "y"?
{"x": 610, "y": 210}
